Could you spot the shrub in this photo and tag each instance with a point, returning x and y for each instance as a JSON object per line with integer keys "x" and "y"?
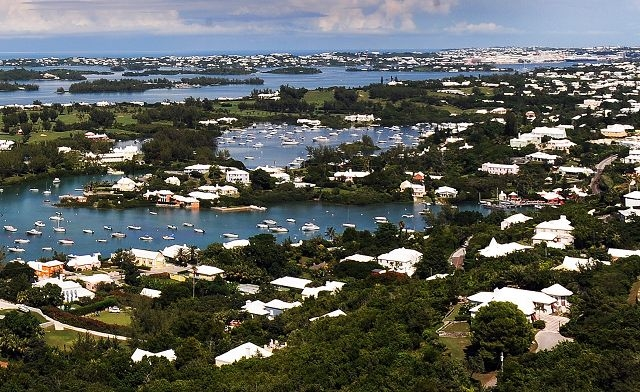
{"x": 539, "y": 324}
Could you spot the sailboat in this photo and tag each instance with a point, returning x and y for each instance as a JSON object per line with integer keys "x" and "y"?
{"x": 59, "y": 229}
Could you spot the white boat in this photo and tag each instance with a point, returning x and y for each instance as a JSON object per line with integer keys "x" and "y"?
{"x": 56, "y": 180}
{"x": 270, "y": 222}
{"x": 258, "y": 145}
{"x": 351, "y": 225}
{"x": 291, "y": 220}
{"x": 320, "y": 139}
{"x": 407, "y": 215}
{"x": 230, "y": 235}
{"x": 153, "y": 213}
{"x": 39, "y": 224}
{"x": 56, "y": 218}
{"x": 101, "y": 240}
{"x": 168, "y": 237}
{"x": 290, "y": 143}
{"x": 187, "y": 224}
{"x": 197, "y": 230}
{"x": 10, "y": 228}
{"x": 106, "y": 227}
{"x": 21, "y": 241}
{"x": 33, "y": 232}
{"x": 279, "y": 229}
{"x": 172, "y": 227}
{"x": 47, "y": 248}
{"x": 310, "y": 227}
{"x": 34, "y": 189}
{"x": 145, "y": 238}
{"x": 262, "y": 226}
{"x": 249, "y": 158}
{"x": 381, "y": 219}
{"x": 134, "y": 227}
{"x": 46, "y": 192}
{"x": 66, "y": 242}
{"x": 59, "y": 229}
{"x": 15, "y": 249}
{"x": 117, "y": 234}
{"x": 87, "y": 231}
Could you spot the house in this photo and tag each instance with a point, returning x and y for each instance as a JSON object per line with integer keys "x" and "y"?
{"x": 275, "y": 307}
{"x": 495, "y": 249}
{"x": 148, "y": 258}
{"x": 140, "y": 354}
{"x": 531, "y": 303}
{"x": 208, "y": 272}
{"x": 151, "y": 293}
{"x": 330, "y": 286}
{"x": 556, "y": 233}
{"x": 559, "y": 145}
{"x": 513, "y": 219}
{"x": 525, "y": 139}
{"x": 173, "y": 180}
{"x": 235, "y": 244}
{"x": 125, "y": 184}
{"x": 560, "y": 293}
{"x": 291, "y": 282}
{"x": 552, "y": 132}
{"x": 359, "y": 258}
{"x": 575, "y": 170}
{"x": 616, "y": 253}
{"x": 349, "y": 176}
{"x": 202, "y": 169}
{"x": 499, "y": 169}
{"x": 335, "y": 313}
{"x": 91, "y": 282}
{"x": 255, "y": 308}
{"x": 246, "y": 350}
{"x": 401, "y": 260}
{"x": 84, "y": 262}
{"x": 173, "y": 251}
{"x": 632, "y": 199}
{"x": 71, "y": 291}
{"x": 446, "y": 192}
{"x": 540, "y": 156}
{"x": 417, "y": 190}
{"x": 237, "y": 176}
{"x": 577, "y": 264}
{"x": 47, "y": 269}
{"x": 186, "y": 202}
{"x": 616, "y": 130}
{"x": 630, "y": 214}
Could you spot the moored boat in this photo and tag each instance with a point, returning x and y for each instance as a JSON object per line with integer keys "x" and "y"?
{"x": 230, "y": 235}
{"x": 117, "y": 234}
{"x": 198, "y": 230}
{"x": 66, "y": 242}
{"x": 145, "y": 238}
{"x": 134, "y": 227}
{"x": 172, "y": 227}
{"x": 33, "y": 232}
{"x": 87, "y": 231}
{"x": 10, "y": 228}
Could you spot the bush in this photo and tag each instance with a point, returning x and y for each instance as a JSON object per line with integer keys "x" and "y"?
{"x": 94, "y": 307}
{"x": 84, "y": 322}
{"x": 538, "y": 324}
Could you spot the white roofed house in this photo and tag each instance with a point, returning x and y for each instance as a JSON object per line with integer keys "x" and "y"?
{"x": 148, "y": 258}
{"x": 71, "y": 291}
{"x": 446, "y": 192}
{"x": 495, "y": 249}
{"x": 237, "y": 176}
{"x": 401, "y": 260}
{"x": 125, "y": 184}
{"x": 202, "y": 169}
{"x": 275, "y": 307}
{"x": 577, "y": 264}
{"x": 531, "y": 303}
{"x": 350, "y": 175}
{"x": 91, "y": 282}
{"x": 556, "y": 233}
{"x": 329, "y": 286}
{"x": 540, "y": 156}
{"x": 513, "y": 219}
{"x": 499, "y": 169}
{"x": 140, "y": 354}
{"x": 208, "y": 272}
{"x": 290, "y": 282}
{"x": 84, "y": 262}
{"x": 559, "y": 145}
{"x": 246, "y": 350}
{"x": 632, "y": 199}
{"x": 560, "y": 293}
{"x": 417, "y": 190}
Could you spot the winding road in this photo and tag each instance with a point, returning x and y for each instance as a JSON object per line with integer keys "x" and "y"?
{"x": 595, "y": 181}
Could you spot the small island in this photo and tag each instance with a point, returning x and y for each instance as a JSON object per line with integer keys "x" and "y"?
{"x": 295, "y": 71}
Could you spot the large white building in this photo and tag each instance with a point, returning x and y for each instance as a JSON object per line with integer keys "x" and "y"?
{"x": 237, "y": 176}
{"x": 499, "y": 169}
{"x": 556, "y": 233}
{"x": 246, "y": 350}
{"x": 401, "y": 260}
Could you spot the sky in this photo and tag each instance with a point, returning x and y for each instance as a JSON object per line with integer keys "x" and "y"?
{"x": 85, "y": 27}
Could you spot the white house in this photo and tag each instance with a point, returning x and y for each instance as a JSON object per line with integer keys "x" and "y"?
{"x": 330, "y": 286}
{"x": 359, "y": 258}
{"x": 617, "y": 253}
{"x": 556, "y": 233}
{"x": 495, "y": 249}
{"x": 560, "y": 293}
{"x": 71, "y": 291}
{"x": 237, "y": 175}
{"x": 629, "y": 214}
{"x": 540, "y": 156}
{"x": 291, "y": 282}
{"x": 499, "y": 169}
{"x": 559, "y": 144}
{"x": 446, "y": 192}
{"x": 575, "y": 170}
{"x": 148, "y": 258}
{"x": 84, "y": 262}
{"x": 151, "y": 293}
{"x": 208, "y": 272}
{"x": 125, "y": 184}
{"x": 275, "y": 307}
{"x": 531, "y": 303}
{"x": 632, "y": 199}
{"x": 513, "y": 219}
{"x": 202, "y": 169}
{"x": 91, "y": 282}
{"x": 246, "y": 350}
{"x": 401, "y": 260}
{"x": 335, "y": 313}
{"x": 140, "y": 354}
{"x": 576, "y": 264}
{"x": 417, "y": 190}
{"x": 350, "y": 175}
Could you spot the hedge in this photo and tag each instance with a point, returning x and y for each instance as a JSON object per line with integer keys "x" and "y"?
{"x": 85, "y": 322}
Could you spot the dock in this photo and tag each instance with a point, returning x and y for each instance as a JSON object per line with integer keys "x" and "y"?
{"x": 239, "y": 209}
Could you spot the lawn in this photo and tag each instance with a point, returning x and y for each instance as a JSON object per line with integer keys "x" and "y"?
{"x": 318, "y": 98}
{"x": 457, "y": 327}
{"x": 122, "y": 318}
{"x": 125, "y": 119}
{"x": 456, "y": 346}
{"x": 73, "y": 118}
{"x": 38, "y": 137}
{"x": 60, "y": 339}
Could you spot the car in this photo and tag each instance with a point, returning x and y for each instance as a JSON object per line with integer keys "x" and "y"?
{"x": 114, "y": 309}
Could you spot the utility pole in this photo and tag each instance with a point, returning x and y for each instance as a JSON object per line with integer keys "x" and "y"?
{"x": 193, "y": 283}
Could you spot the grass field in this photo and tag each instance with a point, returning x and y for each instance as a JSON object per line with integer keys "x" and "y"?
{"x": 125, "y": 119}
{"x": 122, "y": 318}
{"x": 456, "y": 346}
{"x": 38, "y": 137}
{"x": 60, "y": 339}
{"x": 317, "y": 97}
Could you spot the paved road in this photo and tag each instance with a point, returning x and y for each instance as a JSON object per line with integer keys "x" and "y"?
{"x": 595, "y": 181}
{"x": 550, "y": 336}
{"x": 60, "y": 326}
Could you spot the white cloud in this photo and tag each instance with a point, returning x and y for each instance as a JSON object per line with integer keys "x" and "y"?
{"x": 64, "y": 17}
{"x": 476, "y": 28}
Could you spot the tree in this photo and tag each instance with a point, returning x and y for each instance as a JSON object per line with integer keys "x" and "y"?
{"x": 50, "y": 294}
{"x": 500, "y": 327}
{"x": 261, "y": 180}
{"x": 101, "y": 117}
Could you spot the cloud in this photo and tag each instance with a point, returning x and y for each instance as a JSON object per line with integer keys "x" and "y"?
{"x": 477, "y": 28}
{"x": 170, "y": 17}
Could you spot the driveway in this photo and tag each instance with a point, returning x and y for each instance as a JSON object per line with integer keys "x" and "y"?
{"x": 550, "y": 336}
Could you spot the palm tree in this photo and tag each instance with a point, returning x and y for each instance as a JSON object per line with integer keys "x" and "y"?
{"x": 331, "y": 233}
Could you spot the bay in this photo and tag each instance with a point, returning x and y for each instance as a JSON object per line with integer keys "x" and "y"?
{"x": 21, "y": 207}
